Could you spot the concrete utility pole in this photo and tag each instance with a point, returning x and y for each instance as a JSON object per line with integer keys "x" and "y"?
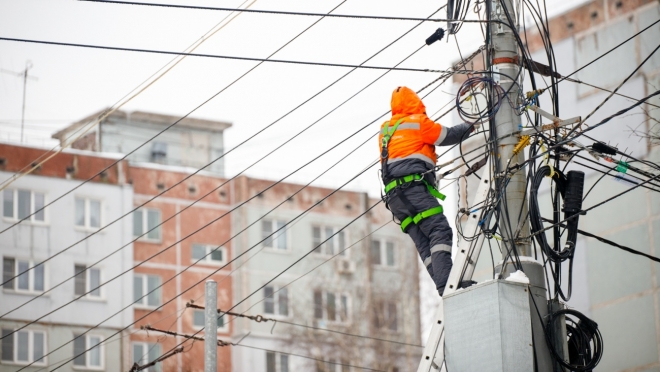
{"x": 24, "y": 74}
{"x": 211, "y": 326}
{"x": 504, "y": 317}
{"x": 504, "y": 67}
{"x": 514, "y": 224}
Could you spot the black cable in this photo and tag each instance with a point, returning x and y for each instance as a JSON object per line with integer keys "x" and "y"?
{"x": 585, "y": 343}
{"x": 252, "y": 59}
{"x": 276, "y": 12}
{"x": 618, "y": 113}
{"x": 598, "y": 204}
{"x": 613, "y": 244}
{"x": 203, "y": 279}
{"x": 218, "y": 247}
{"x": 608, "y": 52}
{"x": 175, "y": 123}
{"x": 225, "y": 153}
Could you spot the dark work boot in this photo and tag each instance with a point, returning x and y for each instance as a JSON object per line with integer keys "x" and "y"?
{"x": 463, "y": 284}
{"x": 466, "y": 283}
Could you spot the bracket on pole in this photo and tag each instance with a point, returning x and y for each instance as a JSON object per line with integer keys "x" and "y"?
{"x": 556, "y": 122}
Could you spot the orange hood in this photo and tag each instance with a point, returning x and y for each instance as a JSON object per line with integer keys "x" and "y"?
{"x": 406, "y": 102}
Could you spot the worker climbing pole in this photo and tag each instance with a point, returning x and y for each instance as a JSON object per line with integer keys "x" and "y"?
{"x": 408, "y": 165}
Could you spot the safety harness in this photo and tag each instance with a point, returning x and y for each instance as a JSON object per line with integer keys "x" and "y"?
{"x": 397, "y": 183}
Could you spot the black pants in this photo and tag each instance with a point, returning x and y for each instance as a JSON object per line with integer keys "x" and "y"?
{"x": 432, "y": 236}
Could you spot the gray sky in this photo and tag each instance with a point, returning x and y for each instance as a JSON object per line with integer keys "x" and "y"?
{"x": 74, "y": 82}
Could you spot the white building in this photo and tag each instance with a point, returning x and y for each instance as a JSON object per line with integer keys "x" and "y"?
{"x": 46, "y": 234}
{"x": 368, "y": 289}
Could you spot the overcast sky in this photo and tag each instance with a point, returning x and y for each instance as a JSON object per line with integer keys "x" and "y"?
{"x": 74, "y": 82}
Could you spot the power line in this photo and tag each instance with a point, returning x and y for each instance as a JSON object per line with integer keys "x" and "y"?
{"x": 260, "y": 318}
{"x": 252, "y": 59}
{"x": 613, "y": 244}
{"x": 608, "y": 52}
{"x": 209, "y": 275}
{"x": 222, "y": 343}
{"x": 224, "y": 183}
{"x": 594, "y": 206}
{"x": 276, "y": 12}
{"x": 244, "y": 252}
{"x": 185, "y": 116}
{"x": 166, "y": 190}
{"x": 294, "y": 263}
{"x": 29, "y": 168}
{"x": 617, "y": 88}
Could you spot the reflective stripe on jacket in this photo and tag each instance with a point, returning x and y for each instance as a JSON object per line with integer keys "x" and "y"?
{"x": 416, "y": 135}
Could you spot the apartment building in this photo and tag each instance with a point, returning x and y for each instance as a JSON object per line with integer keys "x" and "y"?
{"x": 356, "y": 275}
{"x": 182, "y": 238}
{"x": 65, "y": 240}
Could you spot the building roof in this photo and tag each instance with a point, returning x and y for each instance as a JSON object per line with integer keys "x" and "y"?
{"x": 150, "y": 117}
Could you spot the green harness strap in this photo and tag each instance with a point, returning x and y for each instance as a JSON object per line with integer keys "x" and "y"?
{"x": 412, "y": 178}
{"x": 387, "y": 135}
{"x": 420, "y": 216}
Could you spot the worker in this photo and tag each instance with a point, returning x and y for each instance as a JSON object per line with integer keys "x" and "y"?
{"x": 408, "y": 162}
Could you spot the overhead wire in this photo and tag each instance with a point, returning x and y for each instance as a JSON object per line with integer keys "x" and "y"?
{"x": 185, "y": 116}
{"x": 162, "y": 251}
{"x": 222, "y": 343}
{"x": 122, "y": 101}
{"x": 220, "y": 268}
{"x": 613, "y": 244}
{"x": 229, "y": 151}
{"x": 260, "y": 11}
{"x": 255, "y": 195}
{"x": 217, "y": 56}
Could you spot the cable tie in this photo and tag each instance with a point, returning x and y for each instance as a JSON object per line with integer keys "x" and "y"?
{"x": 622, "y": 167}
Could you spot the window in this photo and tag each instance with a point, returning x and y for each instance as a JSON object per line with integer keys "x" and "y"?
{"x": 159, "y": 152}
{"x": 18, "y": 204}
{"x": 88, "y": 213}
{"x": 277, "y": 362}
{"x": 24, "y": 346}
{"x": 86, "y": 280}
{"x": 382, "y": 253}
{"x": 209, "y": 254}
{"x": 276, "y": 302}
{"x": 93, "y": 358}
{"x": 30, "y": 281}
{"x": 277, "y": 241}
{"x": 330, "y": 306}
{"x": 199, "y": 320}
{"x": 335, "y": 245}
{"x": 332, "y": 365}
{"x": 143, "y": 284}
{"x": 385, "y": 316}
{"x": 144, "y": 353}
{"x": 147, "y": 220}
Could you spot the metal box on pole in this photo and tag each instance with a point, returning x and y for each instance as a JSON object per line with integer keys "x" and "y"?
{"x": 488, "y": 328}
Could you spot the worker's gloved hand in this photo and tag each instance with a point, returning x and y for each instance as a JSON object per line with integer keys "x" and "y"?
{"x": 476, "y": 126}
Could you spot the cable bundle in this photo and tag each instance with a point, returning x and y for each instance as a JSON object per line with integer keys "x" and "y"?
{"x": 477, "y": 86}
{"x": 585, "y": 343}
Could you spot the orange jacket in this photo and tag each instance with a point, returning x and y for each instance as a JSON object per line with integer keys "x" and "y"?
{"x": 417, "y": 135}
